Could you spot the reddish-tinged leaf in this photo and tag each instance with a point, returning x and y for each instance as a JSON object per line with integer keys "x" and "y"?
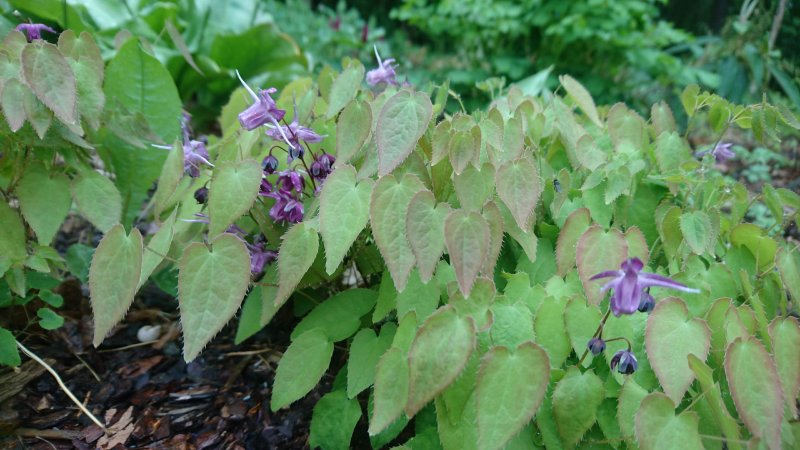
{"x": 50, "y": 77}
{"x": 785, "y": 334}
{"x": 402, "y": 121}
{"x": 519, "y": 187}
{"x": 495, "y": 220}
{"x": 425, "y": 231}
{"x": 598, "y": 251}
{"x": 657, "y": 426}
{"x": 576, "y": 224}
{"x": 467, "y": 238}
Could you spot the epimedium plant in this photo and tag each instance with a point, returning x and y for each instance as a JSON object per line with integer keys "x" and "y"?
{"x": 466, "y": 262}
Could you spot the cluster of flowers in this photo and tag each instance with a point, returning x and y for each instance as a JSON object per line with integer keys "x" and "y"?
{"x": 629, "y": 284}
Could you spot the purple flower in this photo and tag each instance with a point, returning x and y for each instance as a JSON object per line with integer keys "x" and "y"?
{"x": 270, "y": 164}
{"x": 322, "y": 167}
{"x": 287, "y": 208}
{"x": 194, "y": 155}
{"x": 289, "y": 180}
{"x": 260, "y": 257}
{"x": 294, "y": 133}
{"x": 629, "y": 283}
{"x": 625, "y": 362}
{"x": 384, "y": 73}
{"x": 263, "y": 110}
{"x": 266, "y": 188}
{"x": 596, "y": 346}
{"x": 201, "y": 195}
{"x": 722, "y": 152}
{"x": 34, "y": 30}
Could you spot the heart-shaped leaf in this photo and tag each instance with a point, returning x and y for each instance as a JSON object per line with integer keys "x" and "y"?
{"x": 598, "y": 251}
{"x": 425, "y": 231}
{"x": 44, "y": 200}
{"x": 576, "y": 224}
{"x": 670, "y": 337}
{"x": 474, "y": 186}
{"x": 576, "y": 399}
{"x": 658, "y": 428}
{"x": 345, "y": 86}
{"x": 343, "y": 213}
{"x": 50, "y": 77}
{"x": 785, "y": 333}
{"x": 301, "y": 368}
{"x": 391, "y": 389}
{"x": 97, "y": 199}
{"x": 233, "y": 190}
{"x": 467, "y": 240}
{"x": 340, "y": 315}
{"x": 630, "y": 398}
{"x": 697, "y": 231}
{"x": 298, "y": 251}
{"x": 519, "y": 187}
{"x": 402, "y": 121}
{"x": 211, "y": 286}
{"x": 581, "y": 320}
{"x": 352, "y": 130}
{"x": 156, "y": 248}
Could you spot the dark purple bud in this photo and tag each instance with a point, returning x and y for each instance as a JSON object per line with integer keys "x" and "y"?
{"x": 647, "y": 303}
{"x": 596, "y": 346}
{"x": 270, "y": 164}
{"x": 201, "y": 195}
{"x": 326, "y": 161}
{"x": 624, "y": 362}
{"x": 266, "y": 188}
{"x": 316, "y": 170}
{"x": 294, "y": 153}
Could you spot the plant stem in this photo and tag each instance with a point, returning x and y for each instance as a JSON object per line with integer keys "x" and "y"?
{"x": 598, "y": 332}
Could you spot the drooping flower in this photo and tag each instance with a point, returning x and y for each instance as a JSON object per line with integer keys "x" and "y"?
{"x": 384, "y": 73}
{"x": 269, "y": 164}
{"x": 648, "y": 303}
{"x": 201, "y": 195}
{"x": 722, "y": 152}
{"x": 260, "y": 257}
{"x": 294, "y": 133}
{"x": 322, "y": 167}
{"x": 629, "y": 283}
{"x": 289, "y": 180}
{"x": 625, "y": 362}
{"x": 287, "y": 207}
{"x": 34, "y": 30}
{"x": 194, "y": 155}
{"x": 263, "y": 110}
{"x": 596, "y": 346}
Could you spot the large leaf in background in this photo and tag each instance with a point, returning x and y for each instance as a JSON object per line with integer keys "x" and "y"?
{"x": 401, "y": 123}
{"x": 113, "y": 278}
{"x": 233, "y": 190}
{"x": 658, "y": 428}
{"x": 136, "y": 82}
{"x": 12, "y": 239}
{"x": 44, "y": 200}
{"x": 211, "y": 286}
{"x": 97, "y": 199}
{"x": 756, "y": 389}
{"x": 301, "y": 367}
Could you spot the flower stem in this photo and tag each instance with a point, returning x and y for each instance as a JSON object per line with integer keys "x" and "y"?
{"x": 597, "y": 333}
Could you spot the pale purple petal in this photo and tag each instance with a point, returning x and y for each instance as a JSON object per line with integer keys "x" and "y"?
{"x": 607, "y": 274}
{"x": 654, "y": 279}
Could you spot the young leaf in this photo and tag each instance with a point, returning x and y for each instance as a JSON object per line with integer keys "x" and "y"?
{"x": 467, "y": 240}
{"x": 365, "y": 352}
{"x": 84, "y": 58}
{"x": 38, "y": 115}
{"x": 297, "y": 253}
{"x": 662, "y": 119}
{"x": 425, "y": 231}
{"x": 581, "y": 320}
{"x": 156, "y": 248}
{"x": 97, "y": 199}
{"x": 657, "y": 427}
{"x": 211, "y": 286}
{"x": 576, "y": 224}
{"x": 439, "y": 352}
{"x": 301, "y": 368}
{"x": 464, "y": 148}
{"x": 598, "y": 251}
{"x": 422, "y": 298}
{"x": 345, "y": 86}
{"x": 343, "y": 213}
{"x": 339, "y": 316}
{"x": 697, "y": 231}
{"x": 9, "y": 356}
{"x": 113, "y": 277}
{"x": 388, "y": 206}
{"x": 756, "y": 389}
{"x": 671, "y": 336}
{"x": 576, "y": 399}
{"x": 391, "y": 389}
{"x": 519, "y": 187}
{"x": 401, "y": 123}
{"x": 582, "y": 98}
{"x": 170, "y": 178}
{"x": 352, "y": 129}
{"x": 494, "y": 218}
{"x": 511, "y": 386}
{"x": 785, "y": 334}
{"x": 49, "y": 319}
{"x": 233, "y": 190}
{"x": 50, "y": 77}
{"x": 332, "y": 423}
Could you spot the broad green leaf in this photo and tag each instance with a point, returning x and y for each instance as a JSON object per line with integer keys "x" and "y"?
{"x": 697, "y": 231}
{"x": 169, "y": 180}
{"x": 49, "y": 319}
{"x": 756, "y": 389}
{"x": 662, "y": 119}
{"x": 671, "y": 151}
{"x": 87, "y": 65}
{"x": 97, "y": 199}
{"x": 425, "y": 231}
{"x": 339, "y": 316}
{"x": 332, "y": 423}
{"x": 301, "y": 367}
{"x": 12, "y": 239}
{"x": 627, "y": 129}
{"x": 352, "y": 130}
{"x": 785, "y": 334}
{"x": 297, "y": 253}
{"x": 670, "y": 338}
{"x": 78, "y": 259}
{"x": 464, "y": 148}
{"x": 9, "y": 356}
{"x": 401, "y": 123}
{"x": 713, "y": 397}
{"x": 474, "y": 186}
{"x": 467, "y": 240}
{"x": 457, "y": 402}
{"x": 438, "y": 354}
{"x": 630, "y": 398}
{"x": 598, "y": 251}
{"x": 658, "y": 428}
{"x": 519, "y": 187}
{"x": 551, "y": 332}
{"x": 576, "y": 224}
{"x": 50, "y": 77}
{"x": 511, "y": 386}
{"x": 13, "y": 101}
{"x": 343, "y": 213}
{"x": 345, "y": 86}
{"x": 113, "y": 277}
{"x": 365, "y": 352}
{"x": 37, "y": 114}
{"x": 250, "y": 318}
{"x": 233, "y": 190}
{"x": 788, "y": 262}
{"x": 753, "y": 238}
{"x": 212, "y": 283}
{"x": 581, "y": 97}
{"x": 494, "y": 218}
{"x": 391, "y": 389}
{"x": 461, "y": 433}
{"x": 422, "y": 298}
{"x": 388, "y": 206}
{"x": 581, "y": 320}
{"x": 689, "y": 99}
{"x": 512, "y": 323}
{"x": 157, "y": 248}
{"x": 576, "y": 399}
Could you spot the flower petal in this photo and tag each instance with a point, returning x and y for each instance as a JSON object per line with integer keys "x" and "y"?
{"x": 654, "y": 279}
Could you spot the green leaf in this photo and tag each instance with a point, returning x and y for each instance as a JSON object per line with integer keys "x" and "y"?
{"x": 713, "y": 397}
{"x": 388, "y": 206}
{"x": 788, "y": 262}
{"x": 343, "y": 213}
{"x": 38, "y": 115}
{"x": 671, "y": 151}
{"x": 48, "y": 319}
{"x": 657, "y": 427}
{"x": 697, "y": 231}
{"x": 689, "y": 99}
{"x": 753, "y": 238}
{"x": 365, "y": 352}
{"x": 494, "y": 218}
{"x": 301, "y": 368}
{"x": 352, "y": 129}
{"x": 630, "y": 398}
{"x": 464, "y": 148}
{"x": 345, "y": 86}
{"x": 13, "y": 101}
{"x": 9, "y": 356}
{"x": 52, "y": 299}
{"x": 467, "y": 240}
{"x": 333, "y": 421}
{"x": 576, "y": 399}
{"x": 298, "y": 251}
{"x": 627, "y": 129}
{"x": 581, "y": 97}
{"x": 598, "y": 251}
{"x": 233, "y": 190}
{"x": 79, "y": 258}
{"x": 157, "y": 248}
{"x": 519, "y": 187}
{"x": 391, "y": 389}
{"x": 662, "y": 118}
{"x": 212, "y": 283}
{"x": 509, "y": 391}
{"x": 12, "y": 239}
{"x": 339, "y": 316}
{"x": 438, "y": 354}
{"x": 756, "y": 389}
{"x": 169, "y": 180}
{"x": 113, "y": 277}
{"x": 671, "y": 336}
{"x": 512, "y": 323}
{"x": 50, "y": 77}
{"x": 401, "y": 123}
{"x": 422, "y": 298}
{"x": 425, "y": 231}
{"x": 576, "y": 224}
{"x": 87, "y": 65}
{"x": 250, "y": 318}
{"x": 785, "y": 334}
{"x": 97, "y": 199}
{"x": 581, "y": 320}
{"x": 474, "y": 186}
{"x": 551, "y": 332}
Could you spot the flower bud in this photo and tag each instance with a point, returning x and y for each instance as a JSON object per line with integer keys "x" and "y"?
{"x": 201, "y": 195}
{"x": 596, "y": 346}
{"x": 624, "y": 362}
{"x": 270, "y": 164}
{"x": 647, "y": 303}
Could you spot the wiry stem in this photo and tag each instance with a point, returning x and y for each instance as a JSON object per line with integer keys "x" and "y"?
{"x": 597, "y": 333}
